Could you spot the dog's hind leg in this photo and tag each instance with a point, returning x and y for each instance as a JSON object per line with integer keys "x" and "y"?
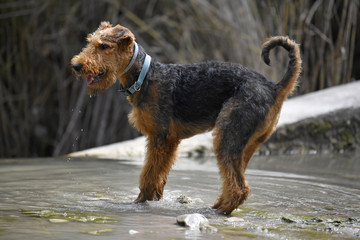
{"x": 238, "y": 132}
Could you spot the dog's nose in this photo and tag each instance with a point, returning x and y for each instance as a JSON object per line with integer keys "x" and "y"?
{"x": 77, "y": 67}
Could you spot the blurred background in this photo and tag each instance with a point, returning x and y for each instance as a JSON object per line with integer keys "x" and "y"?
{"x": 45, "y": 111}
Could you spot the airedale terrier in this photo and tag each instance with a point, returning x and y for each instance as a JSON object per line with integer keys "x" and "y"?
{"x": 176, "y": 101}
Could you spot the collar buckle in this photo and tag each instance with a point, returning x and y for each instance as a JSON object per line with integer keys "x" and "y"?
{"x": 137, "y": 84}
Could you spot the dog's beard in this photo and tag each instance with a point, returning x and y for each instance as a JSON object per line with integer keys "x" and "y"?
{"x": 96, "y": 88}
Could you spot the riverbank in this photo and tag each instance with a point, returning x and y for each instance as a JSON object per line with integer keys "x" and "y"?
{"x": 318, "y": 122}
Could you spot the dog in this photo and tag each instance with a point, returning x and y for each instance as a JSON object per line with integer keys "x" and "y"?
{"x": 172, "y": 102}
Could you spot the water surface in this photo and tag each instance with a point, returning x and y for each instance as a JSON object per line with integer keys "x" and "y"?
{"x": 93, "y": 199}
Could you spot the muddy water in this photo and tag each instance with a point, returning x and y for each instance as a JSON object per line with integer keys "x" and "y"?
{"x": 92, "y": 199}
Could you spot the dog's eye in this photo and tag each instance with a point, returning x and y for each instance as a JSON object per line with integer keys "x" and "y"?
{"x": 103, "y": 46}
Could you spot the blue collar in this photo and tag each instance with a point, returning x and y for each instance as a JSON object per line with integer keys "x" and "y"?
{"x": 137, "y": 85}
{"x": 136, "y": 51}
{"x": 145, "y": 68}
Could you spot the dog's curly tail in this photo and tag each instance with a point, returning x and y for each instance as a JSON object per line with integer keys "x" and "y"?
{"x": 289, "y": 80}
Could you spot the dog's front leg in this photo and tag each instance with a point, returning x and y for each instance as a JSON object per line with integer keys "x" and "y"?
{"x": 160, "y": 156}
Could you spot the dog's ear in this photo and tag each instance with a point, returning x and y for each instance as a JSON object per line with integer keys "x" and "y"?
{"x": 123, "y": 36}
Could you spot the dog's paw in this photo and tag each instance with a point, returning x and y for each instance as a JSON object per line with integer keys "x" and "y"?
{"x": 141, "y": 198}
{"x": 146, "y": 196}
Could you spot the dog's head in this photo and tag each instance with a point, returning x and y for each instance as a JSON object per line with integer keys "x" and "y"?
{"x": 106, "y": 55}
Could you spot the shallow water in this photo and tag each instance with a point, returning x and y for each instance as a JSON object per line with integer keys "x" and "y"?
{"x": 86, "y": 198}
